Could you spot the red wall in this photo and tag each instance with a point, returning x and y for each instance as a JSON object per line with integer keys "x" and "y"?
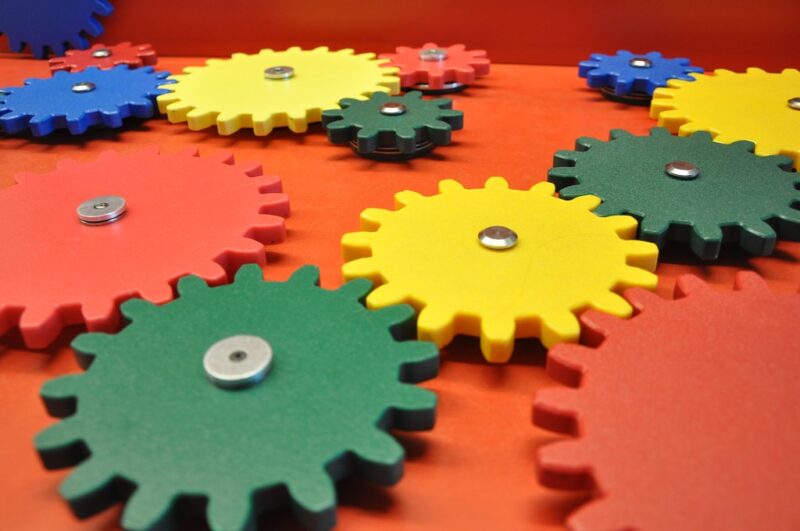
{"x": 714, "y": 33}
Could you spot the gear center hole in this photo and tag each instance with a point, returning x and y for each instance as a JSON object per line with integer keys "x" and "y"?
{"x": 237, "y": 356}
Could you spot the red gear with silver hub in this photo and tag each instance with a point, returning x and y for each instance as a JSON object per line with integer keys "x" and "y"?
{"x": 438, "y": 68}
{"x": 105, "y": 57}
{"x": 686, "y": 415}
{"x": 85, "y": 237}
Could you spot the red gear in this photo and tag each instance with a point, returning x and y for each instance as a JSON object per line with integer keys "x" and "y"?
{"x": 185, "y": 215}
{"x": 686, "y": 415}
{"x": 461, "y": 66}
{"x": 121, "y": 54}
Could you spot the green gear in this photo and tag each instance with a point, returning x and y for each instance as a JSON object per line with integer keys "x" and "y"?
{"x": 145, "y": 418}
{"x": 737, "y": 197}
{"x": 422, "y": 125}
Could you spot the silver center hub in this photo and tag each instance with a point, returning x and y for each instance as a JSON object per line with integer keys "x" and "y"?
{"x": 83, "y": 87}
{"x": 238, "y": 361}
{"x": 497, "y": 237}
{"x": 393, "y": 108}
{"x": 101, "y": 53}
{"x": 279, "y": 72}
{"x": 433, "y": 54}
{"x": 794, "y": 103}
{"x": 101, "y": 210}
{"x": 680, "y": 169}
{"x": 641, "y": 62}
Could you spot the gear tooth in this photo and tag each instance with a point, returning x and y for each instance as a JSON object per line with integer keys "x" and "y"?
{"x": 314, "y": 499}
{"x": 39, "y": 326}
{"x": 157, "y": 292}
{"x": 753, "y": 71}
{"x": 83, "y": 486}
{"x": 624, "y": 226}
{"x": 494, "y": 183}
{"x": 191, "y": 284}
{"x": 543, "y": 189}
{"x": 92, "y": 344}
{"x": 597, "y": 514}
{"x": 565, "y": 465}
{"x": 392, "y": 316}
{"x": 387, "y": 295}
{"x": 420, "y": 361}
{"x": 690, "y": 129}
{"x": 249, "y": 274}
{"x": 750, "y": 281}
{"x": 635, "y": 277}
{"x": 230, "y": 510}
{"x": 558, "y": 326}
{"x": 568, "y": 362}
{"x": 147, "y": 508}
{"x": 699, "y": 136}
{"x": 564, "y": 157}
{"x": 380, "y": 457}
{"x": 563, "y": 176}
{"x": 297, "y": 120}
{"x": 617, "y": 134}
{"x": 497, "y": 339}
{"x": 56, "y": 393}
{"x": 227, "y": 122}
{"x": 60, "y": 445}
{"x": 367, "y": 139}
{"x": 706, "y": 241}
{"x": 355, "y": 289}
{"x": 757, "y": 237}
{"x": 585, "y": 143}
{"x": 659, "y": 132}
{"x": 308, "y": 275}
{"x": 413, "y": 408}
{"x": 134, "y": 309}
{"x": 662, "y": 102}
{"x": 671, "y": 119}
{"x": 449, "y": 186}
{"x": 373, "y": 218}
{"x": 556, "y": 409}
{"x": 406, "y": 197}
{"x": 584, "y": 202}
{"x": 744, "y": 145}
{"x": 690, "y": 285}
{"x": 641, "y": 299}
{"x": 320, "y": 49}
{"x": 362, "y": 268}
{"x": 345, "y": 51}
{"x": 436, "y": 324}
{"x": 100, "y": 314}
{"x": 641, "y": 254}
{"x": 601, "y": 324}
{"x": 357, "y": 245}
{"x": 611, "y": 303}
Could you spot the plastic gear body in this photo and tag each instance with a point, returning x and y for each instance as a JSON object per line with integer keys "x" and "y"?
{"x": 736, "y": 197}
{"x": 457, "y": 68}
{"x": 428, "y": 254}
{"x": 52, "y": 25}
{"x": 240, "y": 92}
{"x": 185, "y": 215}
{"x": 105, "y": 57}
{"x": 77, "y": 101}
{"x": 627, "y": 73}
{"x": 753, "y": 106}
{"x": 685, "y": 415}
{"x": 399, "y": 126}
{"x": 338, "y": 380}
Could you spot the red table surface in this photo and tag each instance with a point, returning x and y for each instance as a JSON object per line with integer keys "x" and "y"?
{"x": 476, "y": 468}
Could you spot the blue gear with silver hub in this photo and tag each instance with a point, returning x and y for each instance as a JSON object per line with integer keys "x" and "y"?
{"x": 77, "y": 101}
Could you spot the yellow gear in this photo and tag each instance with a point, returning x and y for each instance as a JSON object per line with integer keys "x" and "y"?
{"x": 566, "y": 259}
{"x": 734, "y": 106}
{"x": 239, "y": 92}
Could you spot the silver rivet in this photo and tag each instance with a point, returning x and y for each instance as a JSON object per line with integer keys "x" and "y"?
{"x": 83, "y": 87}
{"x": 238, "y": 361}
{"x": 680, "y": 169}
{"x": 101, "y": 210}
{"x": 794, "y": 103}
{"x": 433, "y": 54}
{"x": 392, "y": 108}
{"x": 279, "y": 72}
{"x": 497, "y": 237}
{"x": 102, "y": 52}
{"x": 641, "y": 62}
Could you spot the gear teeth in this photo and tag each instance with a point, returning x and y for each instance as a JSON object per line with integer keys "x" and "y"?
{"x": 706, "y": 241}
{"x": 420, "y": 361}
{"x": 379, "y": 458}
{"x": 100, "y": 314}
{"x": 450, "y": 186}
{"x": 39, "y": 326}
{"x": 585, "y": 202}
{"x": 314, "y": 500}
{"x": 356, "y": 245}
{"x": 635, "y": 277}
{"x": 641, "y": 254}
{"x": 641, "y": 299}
{"x": 565, "y": 465}
{"x": 757, "y": 237}
{"x": 689, "y": 285}
{"x": 86, "y": 487}
{"x": 308, "y": 275}
{"x": 229, "y": 510}
{"x": 495, "y": 183}
{"x": 157, "y": 293}
{"x": 435, "y": 324}
{"x": 373, "y": 218}
{"x": 355, "y": 289}
{"x": 620, "y": 133}
{"x": 599, "y": 325}
{"x": 744, "y": 145}
{"x": 406, "y": 197}
{"x": 363, "y": 267}
{"x": 60, "y": 445}
{"x": 395, "y": 317}
{"x": 556, "y": 409}
{"x": 559, "y": 326}
{"x": 148, "y": 508}
{"x": 574, "y": 191}
{"x": 134, "y": 309}
{"x": 653, "y": 229}
{"x": 59, "y": 395}
{"x": 387, "y": 295}
{"x": 497, "y": 339}
{"x": 563, "y": 176}
{"x": 624, "y": 226}
{"x": 413, "y": 408}
{"x": 192, "y": 285}
{"x": 543, "y": 189}
{"x": 585, "y": 143}
{"x": 567, "y": 363}
{"x": 596, "y": 515}
{"x": 750, "y": 281}
{"x": 611, "y": 303}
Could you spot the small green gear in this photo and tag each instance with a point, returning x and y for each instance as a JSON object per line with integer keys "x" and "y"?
{"x": 393, "y": 126}
{"x": 146, "y": 419}
{"x": 686, "y": 189}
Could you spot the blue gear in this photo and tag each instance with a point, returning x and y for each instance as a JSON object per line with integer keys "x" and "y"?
{"x": 615, "y": 71}
{"x": 44, "y": 105}
{"x": 51, "y": 25}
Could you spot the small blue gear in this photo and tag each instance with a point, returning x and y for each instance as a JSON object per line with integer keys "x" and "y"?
{"x": 77, "y": 101}
{"x": 52, "y": 25}
{"x": 621, "y": 73}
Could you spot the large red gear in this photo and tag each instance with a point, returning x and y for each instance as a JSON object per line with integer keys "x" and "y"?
{"x": 123, "y": 53}
{"x": 686, "y": 415}
{"x": 185, "y": 215}
{"x": 461, "y": 66}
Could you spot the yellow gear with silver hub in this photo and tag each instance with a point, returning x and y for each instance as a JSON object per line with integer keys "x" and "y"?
{"x": 498, "y": 263}
{"x": 273, "y": 88}
{"x": 761, "y": 107}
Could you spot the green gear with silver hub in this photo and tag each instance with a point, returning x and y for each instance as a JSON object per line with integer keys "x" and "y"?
{"x": 686, "y": 189}
{"x": 320, "y": 382}
{"x": 392, "y": 127}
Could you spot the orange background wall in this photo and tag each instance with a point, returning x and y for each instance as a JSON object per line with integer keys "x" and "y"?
{"x": 714, "y": 33}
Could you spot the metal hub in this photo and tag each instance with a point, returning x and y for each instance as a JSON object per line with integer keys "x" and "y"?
{"x": 641, "y": 62}
{"x": 497, "y": 237}
{"x": 238, "y": 361}
{"x": 101, "y": 210}
{"x": 101, "y": 53}
{"x": 794, "y": 103}
{"x": 83, "y": 87}
{"x": 682, "y": 170}
{"x": 433, "y": 54}
{"x": 279, "y": 72}
{"x": 392, "y": 108}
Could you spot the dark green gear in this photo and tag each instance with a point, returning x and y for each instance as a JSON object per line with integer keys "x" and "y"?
{"x": 145, "y": 420}
{"x": 737, "y": 196}
{"x": 392, "y": 126}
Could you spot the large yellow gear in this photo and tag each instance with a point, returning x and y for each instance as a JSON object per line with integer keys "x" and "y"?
{"x": 757, "y": 106}
{"x": 273, "y": 88}
{"x": 566, "y": 259}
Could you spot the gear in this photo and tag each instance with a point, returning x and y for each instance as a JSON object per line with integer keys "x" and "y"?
{"x": 318, "y": 415}
{"x": 209, "y": 217}
{"x": 756, "y": 106}
{"x": 273, "y": 89}
{"x": 437, "y": 69}
{"x": 393, "y": 127}
{"x": 52, "y": 25}
{"x": 686, "y": 189}
{"x": 77, "y": 101}
{"x": 685, "y": 415}
{"x": 498, "y": 263}
{"x": 105, "y": 57}
{"x": 633, "y": 78}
